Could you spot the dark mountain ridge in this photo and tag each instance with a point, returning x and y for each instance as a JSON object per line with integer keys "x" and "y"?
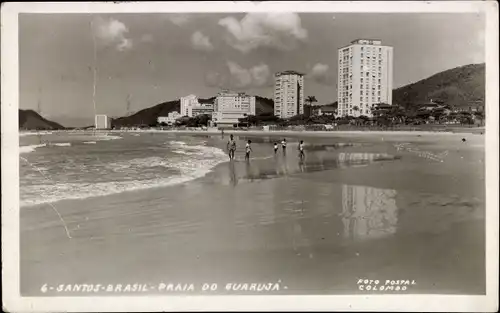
{"x": 29, "y": 119}
{"x": 460, "y": 87}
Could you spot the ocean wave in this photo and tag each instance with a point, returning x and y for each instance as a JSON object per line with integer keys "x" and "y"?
{"x": 189, "y": 168}
{"x": 30, "y": 148}
{"x": 107, "y": 137}
{"x": 138, "y": 163}
{"x": 22, "y": 134}
{"x": 89, "y": 142}
{"x": 62, "y": 144}
{"x": 181, "y": 152}
{"x": 177, "y": 143}
{"x": 66, "y": 191}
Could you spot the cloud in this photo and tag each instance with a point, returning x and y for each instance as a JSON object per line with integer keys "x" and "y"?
{"x": 215, "y": 79}
{"x": 147, "y": 38}
{"x": 278, "y": 30}
{"x": 238, "y": 77}
{"x": 201, "y": 42}
{"x": 320, "y": 74}
{"x": 113, "y": 32}
{"x": 260, "y": 74}
{"x": 179, "y": 19}
{"x": 257, "y": 76}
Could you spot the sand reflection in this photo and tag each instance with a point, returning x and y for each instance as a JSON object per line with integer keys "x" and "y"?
{"x": 368, "y": 212}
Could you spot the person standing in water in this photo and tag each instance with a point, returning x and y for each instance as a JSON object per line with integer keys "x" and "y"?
{"x": 275, "y": 148}
{"x": 248, "y": 149}
{"x": 283, "y": 145}
{"x": 301, "y": 150}
{"x": 231, "y": 147}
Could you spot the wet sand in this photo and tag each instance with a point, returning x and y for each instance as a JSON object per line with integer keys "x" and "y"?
{"x": 395, "y": 207}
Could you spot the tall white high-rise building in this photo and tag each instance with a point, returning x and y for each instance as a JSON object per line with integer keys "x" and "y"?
{"x": 364, "y": 77}
{"x": 288, "y": 94}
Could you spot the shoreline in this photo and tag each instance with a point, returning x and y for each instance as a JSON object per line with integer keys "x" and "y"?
{"x": 334, "y": 133}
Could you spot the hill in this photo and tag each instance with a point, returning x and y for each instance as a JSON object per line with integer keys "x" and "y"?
{"x": 458, "y": 87}
{"x": 263, "y": 105}
{"x": 150, "y": 115}
{"x": 29, "y": 119}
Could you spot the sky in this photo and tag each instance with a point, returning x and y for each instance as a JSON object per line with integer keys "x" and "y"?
{"x": 142, "y": 59}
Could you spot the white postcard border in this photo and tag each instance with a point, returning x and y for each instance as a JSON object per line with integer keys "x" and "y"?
{"x": 10, "y": 173}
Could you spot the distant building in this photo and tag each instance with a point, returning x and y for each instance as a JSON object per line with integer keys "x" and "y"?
{"x": 170, "y": 119}
{"x": 191, "y": 107}
{"x": 288, "y": 94}
{"x": 229, "y": 107}
{"x": 364, "y": 77}
{"x": 327, "y": 110}
{"x": 102, "y": 121}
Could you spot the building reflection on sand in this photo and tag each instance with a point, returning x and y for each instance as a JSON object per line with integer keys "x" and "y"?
{"x": 250, "y": 172}
{"x": 302, "y": 214}
{"x": 368, "y": 212}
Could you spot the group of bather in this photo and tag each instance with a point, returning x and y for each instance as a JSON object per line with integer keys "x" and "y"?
{"x": 231, "y": 147}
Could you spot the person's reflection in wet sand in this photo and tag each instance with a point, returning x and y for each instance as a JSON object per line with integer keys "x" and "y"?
{"x": 249, "y": 171}
{"x": 232, "y": 174}
{"x": 301, "y": 166}
{"x": 284, "y": 166}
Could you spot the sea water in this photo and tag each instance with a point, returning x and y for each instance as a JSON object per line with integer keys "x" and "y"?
{"x": 63, "y": 166}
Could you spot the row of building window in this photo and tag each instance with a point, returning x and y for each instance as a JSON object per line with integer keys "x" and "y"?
{"x": 368, "y": 55}
{"x": 373, "y": 92}
{"x": 371, "y": 49}
{"x": 345, "y": 100}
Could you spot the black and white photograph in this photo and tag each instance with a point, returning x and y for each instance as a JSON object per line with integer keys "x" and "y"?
{"x": 179, "y": 156}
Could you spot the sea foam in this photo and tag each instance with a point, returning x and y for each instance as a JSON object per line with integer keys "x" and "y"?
{"x": 30, "y": 148}
{"x": 188, "y": 168}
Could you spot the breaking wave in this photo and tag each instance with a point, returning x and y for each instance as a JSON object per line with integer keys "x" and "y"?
{"x": 133, "y": 174}
{"x": 30, "y": 148}
{"x": 23, "y": 134}
{"x": 107, "y": 137}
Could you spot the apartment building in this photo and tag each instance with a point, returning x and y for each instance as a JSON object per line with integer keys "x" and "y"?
{"x": 191, "y": 107}
{"x": 229, "y": 107}
{"x": 170, "y": 119}
{"x": 364, "y": 77}
{"x": 102, "y": 121}
{"x": 288, "y": 94}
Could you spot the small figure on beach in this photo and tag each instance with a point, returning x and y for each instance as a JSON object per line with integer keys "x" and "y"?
{"x": 301, "y": 150}
{"x": 283, "y": 144}
{"x": 248, "y": 149}
{"x": 231, "y": 147}
{"x": 275, "y": 148}
{"x": 464, "y": 140}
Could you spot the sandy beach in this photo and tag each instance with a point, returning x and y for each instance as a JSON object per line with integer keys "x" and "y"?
{"x": 385, "y": 206}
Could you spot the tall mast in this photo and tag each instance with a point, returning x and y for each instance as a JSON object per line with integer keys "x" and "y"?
{"x": 94, "y": 69}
